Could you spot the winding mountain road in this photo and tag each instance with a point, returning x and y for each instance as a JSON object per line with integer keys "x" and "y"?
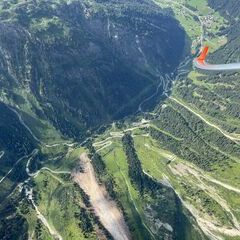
{"x": 226, "y": 134}
{"x": 34, "y": 152}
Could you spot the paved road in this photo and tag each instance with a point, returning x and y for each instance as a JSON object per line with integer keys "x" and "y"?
{"x": 34, "y": 152}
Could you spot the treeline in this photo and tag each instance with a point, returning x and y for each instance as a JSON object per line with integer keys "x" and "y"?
{"x": 221, "y": 101}
{"x": 142, "y": 181}
{"x": 14, "y": 138}
{"x": 83, "y": 215}
{"x": 230, "y": 9}
{"x": 12, "y": 224}
{"x": 86, "y": 217}
{"x": 101, "y": 171}
{"x": 97, "y": 162}
{"x": 84, "y": 221}
{"x": 161, "y": 201}
{"x": 132, "y": 8}
{"x": 195, "y": 133}
{"x": 196, "y": 151}
{"x": 134, "y": 165}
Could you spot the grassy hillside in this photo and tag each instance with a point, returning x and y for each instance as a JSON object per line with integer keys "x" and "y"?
{"x": 152, "y": 209}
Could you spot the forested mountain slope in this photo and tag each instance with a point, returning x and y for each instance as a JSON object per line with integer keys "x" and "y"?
{"x": 67, "y": 67}
{"x": 85, "y": 63}
{"x": 192, "y": 140}
{"x": 70, "y": 73}
{"x": 230, "y": 9}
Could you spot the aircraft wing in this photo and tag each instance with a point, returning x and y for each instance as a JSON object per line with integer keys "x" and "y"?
{"x": 200, "y": 62}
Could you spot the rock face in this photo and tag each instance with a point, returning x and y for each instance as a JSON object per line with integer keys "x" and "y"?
{"x": 85, "y": 63}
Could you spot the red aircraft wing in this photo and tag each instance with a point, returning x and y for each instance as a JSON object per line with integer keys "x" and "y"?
{"x": 203, "y": 55}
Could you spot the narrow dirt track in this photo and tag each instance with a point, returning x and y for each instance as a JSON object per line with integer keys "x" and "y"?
{"x": 107, "y": 211}
{"x": 223, "y": 132}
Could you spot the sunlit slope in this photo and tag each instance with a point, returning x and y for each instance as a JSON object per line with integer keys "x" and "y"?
{"x": 149, "y": 203}
{"x": 198, "y": 161}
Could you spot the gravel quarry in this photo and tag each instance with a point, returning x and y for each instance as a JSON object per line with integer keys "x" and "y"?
{"x": 107, "y": 211}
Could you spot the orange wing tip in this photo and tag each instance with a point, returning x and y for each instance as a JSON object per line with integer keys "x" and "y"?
{"x": 203, "y": 54}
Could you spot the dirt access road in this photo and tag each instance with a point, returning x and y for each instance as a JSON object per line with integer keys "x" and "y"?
{"x": 106, "y": 209}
